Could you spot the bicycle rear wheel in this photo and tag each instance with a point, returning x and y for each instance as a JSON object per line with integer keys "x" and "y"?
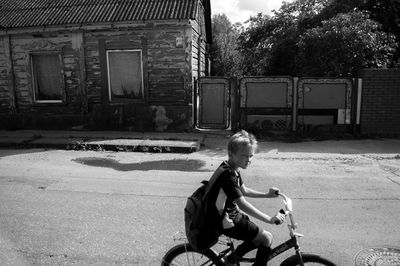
{"x": 184, "y": 254}
{"x": 308, "y": 260}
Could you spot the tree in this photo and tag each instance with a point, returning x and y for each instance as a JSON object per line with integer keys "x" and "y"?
{"x": 269, "y": 44}
{"x": 387, "y": 12}
{"x": 343, "y": 45}
{"x": 320, "y": 37}
{"x": 224, "y": 55}
{"x": 312, "y": 37}
{"x": 254, "y": 45}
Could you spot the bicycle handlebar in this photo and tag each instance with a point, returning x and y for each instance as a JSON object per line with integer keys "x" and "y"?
{"x": 288, "y": 205}
{"x": 287, "y": 201}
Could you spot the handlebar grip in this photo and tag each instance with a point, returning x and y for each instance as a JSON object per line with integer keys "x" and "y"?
{"x": 283, "y": 212}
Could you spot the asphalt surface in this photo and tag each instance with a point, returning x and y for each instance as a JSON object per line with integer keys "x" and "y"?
{"x": 60, "y": 207}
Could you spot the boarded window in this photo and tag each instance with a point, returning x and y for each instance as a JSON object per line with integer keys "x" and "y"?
{"x": 125, "y": 75}
{"x": 47, "y": 78}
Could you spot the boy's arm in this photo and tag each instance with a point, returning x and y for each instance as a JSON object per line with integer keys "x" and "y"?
{"x": 251, "y": 193}
{"x": 248, "y": 208}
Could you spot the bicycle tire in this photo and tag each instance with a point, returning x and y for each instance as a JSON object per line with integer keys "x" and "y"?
{"x": 184, "y": 254}
{"x": 308, "y": 259}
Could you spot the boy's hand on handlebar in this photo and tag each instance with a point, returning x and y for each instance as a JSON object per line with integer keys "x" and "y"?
{"x": 273, "y": 192}
{"x": 278, "y": 218}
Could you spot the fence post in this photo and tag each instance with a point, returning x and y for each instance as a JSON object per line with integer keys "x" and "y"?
{"x": 294, "y": 103}
{"x": 357, "y": 105}
{"x": 234, "y": 103}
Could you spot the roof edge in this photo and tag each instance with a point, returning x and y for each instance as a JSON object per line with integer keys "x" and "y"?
{"x": 86, "y": 26}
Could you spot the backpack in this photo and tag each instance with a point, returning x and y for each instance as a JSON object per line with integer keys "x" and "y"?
{"x": 203, "y": 222}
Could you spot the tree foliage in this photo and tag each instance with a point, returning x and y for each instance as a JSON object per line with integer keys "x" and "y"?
{"x": 317, "y": 37}
{"x": 343, "y": 45}
{"x": 224, "y": 55}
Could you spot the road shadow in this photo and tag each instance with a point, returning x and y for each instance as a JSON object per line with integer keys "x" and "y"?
{"x": 162, "y": 165}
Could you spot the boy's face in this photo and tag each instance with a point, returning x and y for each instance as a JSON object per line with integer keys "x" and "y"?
{"x": 242, "y": 157}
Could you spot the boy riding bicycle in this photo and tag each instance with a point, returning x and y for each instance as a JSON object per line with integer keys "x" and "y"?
{"x": 231, "y": 199}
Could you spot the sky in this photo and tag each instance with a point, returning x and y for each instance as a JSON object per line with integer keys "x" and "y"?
{"x": 241, "y": 10}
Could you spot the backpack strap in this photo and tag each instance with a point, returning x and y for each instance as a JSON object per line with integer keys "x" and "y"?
{"x": 214, "y": 178}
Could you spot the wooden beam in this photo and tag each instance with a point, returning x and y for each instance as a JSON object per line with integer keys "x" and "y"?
{"x": 10, "y": 74}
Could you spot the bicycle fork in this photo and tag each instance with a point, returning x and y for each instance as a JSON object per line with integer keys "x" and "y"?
{"x": 298, "y": 253}
{"x": 297, "y": 249}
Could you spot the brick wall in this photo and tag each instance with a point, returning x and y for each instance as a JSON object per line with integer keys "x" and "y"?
{"x": 380, "y": 102}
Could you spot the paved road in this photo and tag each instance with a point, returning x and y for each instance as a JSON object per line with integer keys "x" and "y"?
{"x": 107, "y": 208}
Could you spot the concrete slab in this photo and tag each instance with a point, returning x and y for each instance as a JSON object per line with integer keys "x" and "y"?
{"x": 54, "y": 143}
{"x": 103, "y": 140}
{"x": 14, "y": 141}
{"x": 146, "y": 145}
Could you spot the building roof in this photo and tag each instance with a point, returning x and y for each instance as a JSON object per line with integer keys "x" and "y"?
{"x": 34, "y": 13}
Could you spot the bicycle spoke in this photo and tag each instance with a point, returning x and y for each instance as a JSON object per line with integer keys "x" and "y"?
{"x": 191, "y": 258}
{"x": 313, "y": 264}
{"x": 185, "y": 255}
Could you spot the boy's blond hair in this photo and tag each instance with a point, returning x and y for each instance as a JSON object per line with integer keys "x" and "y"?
{"x": 240, "y": 139}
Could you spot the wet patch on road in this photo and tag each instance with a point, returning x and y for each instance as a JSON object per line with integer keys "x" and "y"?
{"x": 380, "y": 256}
{"x": 162, "y": 165}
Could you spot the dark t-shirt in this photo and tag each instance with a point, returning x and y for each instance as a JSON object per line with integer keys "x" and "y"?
{"x": 235, "y": 224}
{"x": 231, "y": 181}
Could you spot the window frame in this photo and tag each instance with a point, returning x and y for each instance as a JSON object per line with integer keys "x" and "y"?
{"x": 61, "y": 79}
{"x": 108, "y": 71}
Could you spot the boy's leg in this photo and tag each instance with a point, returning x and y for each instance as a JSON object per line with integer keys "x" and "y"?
{"x": 262, "y": 256}
{"x": 263, "y": 241}
{"x": 240, "y": 251}
{"x": 263, "y": 238}
{"x": 244, "y": 248}
{"x": 244, "y": 230}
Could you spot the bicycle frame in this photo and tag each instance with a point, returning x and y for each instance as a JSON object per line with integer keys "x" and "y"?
{"x": 289, "y": 244}
{"x": 213, "y": 257}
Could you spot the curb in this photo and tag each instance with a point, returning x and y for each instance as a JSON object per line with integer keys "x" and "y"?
{"x": 102, "y": 144}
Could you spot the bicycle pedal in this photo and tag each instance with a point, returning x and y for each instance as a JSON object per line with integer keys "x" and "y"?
{"x": 298, "y": 234}
{"x": 227, "y": 263}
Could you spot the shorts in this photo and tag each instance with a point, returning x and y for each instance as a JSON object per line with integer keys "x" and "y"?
{"x": 244, "y": 229}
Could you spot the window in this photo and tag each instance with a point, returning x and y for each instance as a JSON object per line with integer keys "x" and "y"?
{"x": 125, "y": 75}
{"x": 47, "y": 78}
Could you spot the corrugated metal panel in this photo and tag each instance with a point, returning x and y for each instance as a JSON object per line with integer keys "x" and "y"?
{"x": 28, "y": 13}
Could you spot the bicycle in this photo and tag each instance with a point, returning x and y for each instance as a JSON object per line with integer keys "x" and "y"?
{"x": 184, "y": 254}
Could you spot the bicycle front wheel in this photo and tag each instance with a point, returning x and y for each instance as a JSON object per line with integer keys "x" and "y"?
{"x": 308, "y": 260}
{"x": 184, "y": 254}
